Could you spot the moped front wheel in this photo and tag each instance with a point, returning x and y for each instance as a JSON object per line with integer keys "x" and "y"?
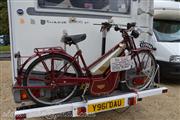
{"x": 40, "y": 78}
{"x": 142, "y": 71}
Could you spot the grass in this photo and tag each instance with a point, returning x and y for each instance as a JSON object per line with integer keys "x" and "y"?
{"x": 4, "y": 48}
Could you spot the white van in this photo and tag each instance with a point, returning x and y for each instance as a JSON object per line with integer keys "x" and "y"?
{"x": 167, "y": 37}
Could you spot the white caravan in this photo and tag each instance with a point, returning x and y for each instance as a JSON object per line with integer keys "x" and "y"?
{"x": 41, "y": 23}
{"x": 167, "y": 37}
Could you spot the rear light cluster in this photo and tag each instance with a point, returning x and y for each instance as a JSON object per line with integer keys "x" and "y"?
{"x": 132, "y": 101}
{"x": 81, "y": 111}
{"x": 139, "y": 80}
{"x": 20, "y": 117}
{"x": 24, "y": 95}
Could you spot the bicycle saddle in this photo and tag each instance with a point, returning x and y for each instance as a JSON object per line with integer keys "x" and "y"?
{"x": 74, "y": 39}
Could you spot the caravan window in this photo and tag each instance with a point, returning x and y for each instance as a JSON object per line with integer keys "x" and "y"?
{"x": 167, "y": 31}
{"x": 111, "y": 6}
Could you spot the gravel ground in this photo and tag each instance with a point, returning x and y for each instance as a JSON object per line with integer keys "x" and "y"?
{"x": 161, "y": 107}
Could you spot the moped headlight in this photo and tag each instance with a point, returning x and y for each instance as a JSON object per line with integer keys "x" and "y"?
{"x": 174, "y": 59}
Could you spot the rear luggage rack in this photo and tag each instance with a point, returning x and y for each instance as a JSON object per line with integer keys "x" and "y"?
{"x": 47, "y": 49}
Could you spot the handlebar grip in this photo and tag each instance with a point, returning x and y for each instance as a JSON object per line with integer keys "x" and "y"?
{"x": 135, "y": 33}
{"x": 130, "y": 25}
{"x": 105, "y": 26}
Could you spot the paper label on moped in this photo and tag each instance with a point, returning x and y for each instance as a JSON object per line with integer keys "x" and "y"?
{"x": 104, "y": 106}
{"x": 121, "y": 63}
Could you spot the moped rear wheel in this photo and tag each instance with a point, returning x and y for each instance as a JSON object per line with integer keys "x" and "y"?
{"x": 41, "y": 74}
{"x": 142, "y": 71}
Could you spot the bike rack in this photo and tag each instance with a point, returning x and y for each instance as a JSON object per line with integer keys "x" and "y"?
{"x": 76, "y": 107}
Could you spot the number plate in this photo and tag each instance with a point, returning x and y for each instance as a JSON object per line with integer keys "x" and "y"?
{"x": 93, "y": 108}
{"x": 121, "y": 63}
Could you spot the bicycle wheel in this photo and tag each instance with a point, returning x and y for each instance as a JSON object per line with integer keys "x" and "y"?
{"x": 142, "y": 71}
{"x": 40, "y": 75}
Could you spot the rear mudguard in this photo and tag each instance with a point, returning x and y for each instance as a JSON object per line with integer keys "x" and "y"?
{"x": 39, "y": 52}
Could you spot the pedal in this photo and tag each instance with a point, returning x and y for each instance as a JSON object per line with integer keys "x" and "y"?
{"x": 84, "y": 92}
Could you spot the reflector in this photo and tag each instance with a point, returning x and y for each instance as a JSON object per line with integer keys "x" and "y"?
{"x": 23, "y": 95}
{"x": 81, "y": 111}
{"x": 20, "y": 117}
{"x": 132, "y": 101}
{"x": 139, "y": 80}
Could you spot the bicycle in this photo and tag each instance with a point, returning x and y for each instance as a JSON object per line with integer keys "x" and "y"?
{"x": 57, "y": 76}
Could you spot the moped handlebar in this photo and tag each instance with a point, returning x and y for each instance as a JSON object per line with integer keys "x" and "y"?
{"x": 129, "y": 27}
{"x": 105, "y": 26}
{"x": 108, "y": 25}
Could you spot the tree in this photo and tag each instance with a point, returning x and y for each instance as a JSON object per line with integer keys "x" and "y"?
{"x": 3, "y": 18}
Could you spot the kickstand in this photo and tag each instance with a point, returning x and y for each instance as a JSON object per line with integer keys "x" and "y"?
{"x": 84, "y": 92}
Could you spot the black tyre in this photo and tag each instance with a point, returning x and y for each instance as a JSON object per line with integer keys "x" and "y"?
{"x": 42, "y": 71}
{"x": 140, "y": 76}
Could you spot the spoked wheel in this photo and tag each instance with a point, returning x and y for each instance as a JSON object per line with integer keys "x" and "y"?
{"x": 41, "y": 75}
{"x": 142, "y": 71}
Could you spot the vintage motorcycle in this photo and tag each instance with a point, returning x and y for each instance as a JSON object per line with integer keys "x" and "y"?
{"x": 55, "y": 76}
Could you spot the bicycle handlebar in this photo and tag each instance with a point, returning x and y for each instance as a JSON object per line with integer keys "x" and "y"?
{"x": 105, "y": 26}
{"x": 108, "y": 25}
{"x": 129, "y": 27}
